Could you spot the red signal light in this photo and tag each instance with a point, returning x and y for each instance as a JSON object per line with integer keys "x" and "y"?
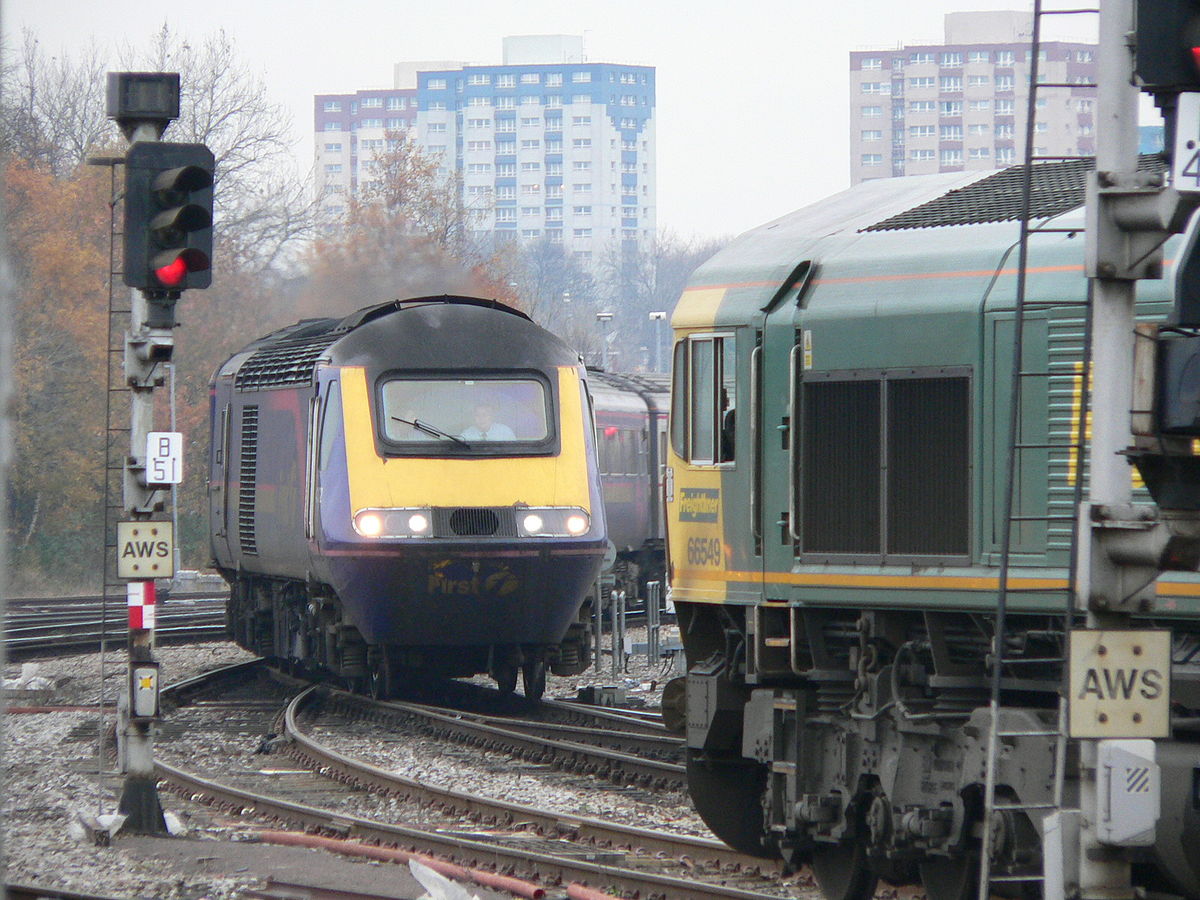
{"x": 172, "y": 274}
{"x": 610, "y": 431}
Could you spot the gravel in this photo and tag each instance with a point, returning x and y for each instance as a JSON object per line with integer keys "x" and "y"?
{"x": 50, "y": 777}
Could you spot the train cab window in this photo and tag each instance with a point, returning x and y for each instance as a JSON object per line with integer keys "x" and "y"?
{"x": 452, "y": 414}
{"x": 703, "y": 401}
{"x": 331, "y": 425}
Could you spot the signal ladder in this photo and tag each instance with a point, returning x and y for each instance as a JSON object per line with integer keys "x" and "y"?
{"x": 1020, "y": 450}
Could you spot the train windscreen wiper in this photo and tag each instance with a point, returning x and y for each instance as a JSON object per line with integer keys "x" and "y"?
{"x": 432, "y": 430}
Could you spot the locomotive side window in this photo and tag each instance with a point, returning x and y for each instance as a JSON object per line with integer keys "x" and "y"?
{"x": 449, "y": 414}
{"x": 885, "y": 465}
{"x": 704, "y": 392}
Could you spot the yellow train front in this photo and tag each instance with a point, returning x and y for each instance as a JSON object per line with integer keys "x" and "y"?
{"x": 410, "y": 490}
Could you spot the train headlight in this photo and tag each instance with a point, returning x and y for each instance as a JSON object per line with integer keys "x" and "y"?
{"x": 553, "y": 521}
{"x": 394, "y": 523}
{"x": 369, "y": 524}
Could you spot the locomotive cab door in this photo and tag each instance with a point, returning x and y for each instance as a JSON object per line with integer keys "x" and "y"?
{"x": 218, "y": 484}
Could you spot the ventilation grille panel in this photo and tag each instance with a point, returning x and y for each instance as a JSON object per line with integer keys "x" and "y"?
{"x": 248, "y": 480}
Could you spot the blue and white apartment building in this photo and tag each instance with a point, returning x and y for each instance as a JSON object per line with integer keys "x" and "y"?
{"x": 548, "y": 144}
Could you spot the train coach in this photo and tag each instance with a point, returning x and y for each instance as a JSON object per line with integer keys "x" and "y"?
{"x": 835, "y": 498}
{"x": 406, "y": 491}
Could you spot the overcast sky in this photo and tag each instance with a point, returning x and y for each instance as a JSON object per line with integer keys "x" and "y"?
{"x": 752, "y": 95}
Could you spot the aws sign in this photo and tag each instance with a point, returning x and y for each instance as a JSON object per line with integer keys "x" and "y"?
{"x": 1120, "y": 684}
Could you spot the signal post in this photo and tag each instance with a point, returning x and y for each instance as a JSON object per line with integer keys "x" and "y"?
{"x": 167, "y": 248}
{"x": 1123, "y": 546}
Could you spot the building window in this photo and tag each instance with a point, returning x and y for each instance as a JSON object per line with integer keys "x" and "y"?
{"x": 581, "y": 98}
{"x": 951, "y": 133}
{"x": 506, "y": 81}
{"x": 951, "y": 108}
{"x": 921, "y": 155}
{"x": 980, "y": 153}
{"x": 478, "y": 123}
{"x": 437, "y": 128}
{"x": 922, "y": 131}
{"x": 978, "y": 56}
{"x": 871, "y": 159}
{"x": 582, "y": 232}
{"x": 978, "y": 129}
{"x": 530, "y": 122}
{"x": 554, "y": 79}
{"x": 951, "y": 158}
{"x": 1083, "y": 106}
{"x": 531, "y": 167}
{"x": 506, "y": 126}
{"x": 506, "y": 214}
{"x": 951, "y": 59}
{"x": 978, "y": 81}
{"x": 872, "y": 136}
{"x": 530, "y": 100}
{"x": 1041, "y": 127}
{"x": 979, "y": 105}
{"x": 478, "y": 78}
{"x": 436, "y": 84}
{"x": 871, "y": 62}
{"x": 920, "y": 83}
{"x": 372, "y": 102}
{"x": 554, "y": 213}
{"x": 478, "y": 168}
{"x": 370, "y": 123}
{"x": 582, "y": 210}
{"x": 581, "y": 143}
{"x": 1004, "y": 83}
{"x": 872, "y": 112}
{"x": 436, "y": 104}
{"x": 532, "y": 144}
{"x": 1005, "y": 107}
{"x": 922, "y": 106}
{"x": 875, "y": 87}
{"x": 506, "y": 192}
{"x": 531, "y": 78}
{"x": 1006, "y": 155}
{"x": 394, "y": 103}
{"x": 1084, "y": 56}
{"x": 333, "y": 148}
{"x": 333, "y": 126}
{"x": 581, "y": 77}
{"x": 950, "y": 84}
{"x": 582, "y": 165}
{"x": 531, "y": 210}
{"x": 506, "y": 103}
{"x": 333, "y": 168}
{"x": 506, "y": 170}
{"x": 332, "y": 106}
{"x": 479, "y": 101}
{"x": 582, "y": 188}
{"x": 479, "y": 145}
{"x": 918, "y": 58}
{"x": 528, "y": 189}
{"x": 1004, "y": 130}
{"x": 1005, "y": 57}
{"x": 554, "y": 192}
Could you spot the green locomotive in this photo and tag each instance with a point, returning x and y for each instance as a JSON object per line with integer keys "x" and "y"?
{"x": 842, "y": 381}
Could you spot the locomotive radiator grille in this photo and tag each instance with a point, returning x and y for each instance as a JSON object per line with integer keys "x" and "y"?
{"x": 470, "y": 521}
{"x": 247, "y": 478}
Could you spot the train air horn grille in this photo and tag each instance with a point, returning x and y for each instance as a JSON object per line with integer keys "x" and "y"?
{"x": 465, "y": 522}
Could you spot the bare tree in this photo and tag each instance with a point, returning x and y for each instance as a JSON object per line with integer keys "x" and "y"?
{"x": 52, "y": 110}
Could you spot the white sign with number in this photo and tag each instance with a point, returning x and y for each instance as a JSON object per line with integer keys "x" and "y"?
{"x": 1185, "y": 161}
{"x": 164, "y": 457}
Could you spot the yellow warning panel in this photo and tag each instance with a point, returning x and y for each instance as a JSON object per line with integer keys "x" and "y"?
{"x": 1120, "y": 684}
{"x": 145, "y": 550}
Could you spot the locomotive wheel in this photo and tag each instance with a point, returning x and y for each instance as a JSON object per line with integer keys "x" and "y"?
{"x": 950, "y": 877}
{"x": 533, "y": 677}
{"x": 843, "y": 871}
{"x": 505, "y": 674}
{"x": 727, "y": 793}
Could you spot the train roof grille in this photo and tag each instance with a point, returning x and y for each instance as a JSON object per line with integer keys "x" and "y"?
{"x": 1057, "y": 187}
{"x": 285, "y": 363}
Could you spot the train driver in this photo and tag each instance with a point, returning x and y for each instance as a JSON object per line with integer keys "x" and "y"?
{"x": 485, "y": 427}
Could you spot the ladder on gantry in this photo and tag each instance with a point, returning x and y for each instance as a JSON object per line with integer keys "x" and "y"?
{"x": 1069, "y": 456}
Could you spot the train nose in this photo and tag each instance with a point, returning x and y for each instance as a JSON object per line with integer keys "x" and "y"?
{"x": 1178, "y": 832}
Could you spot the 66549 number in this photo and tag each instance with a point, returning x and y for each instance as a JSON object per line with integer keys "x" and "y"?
{"x": 704, "y": 551}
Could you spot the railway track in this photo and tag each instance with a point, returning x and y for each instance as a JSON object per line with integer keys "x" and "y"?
{"x": 45, "y": 626}
{"x": 552, "y": 847}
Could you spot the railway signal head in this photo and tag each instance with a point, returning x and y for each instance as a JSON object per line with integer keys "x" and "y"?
{"x": 168, "y": 217}
{"x": 1167, "y": 45}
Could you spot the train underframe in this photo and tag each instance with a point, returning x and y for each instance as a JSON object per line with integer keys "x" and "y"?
{"x": 855, "y": 741}
{"x": 305, "y": 626}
